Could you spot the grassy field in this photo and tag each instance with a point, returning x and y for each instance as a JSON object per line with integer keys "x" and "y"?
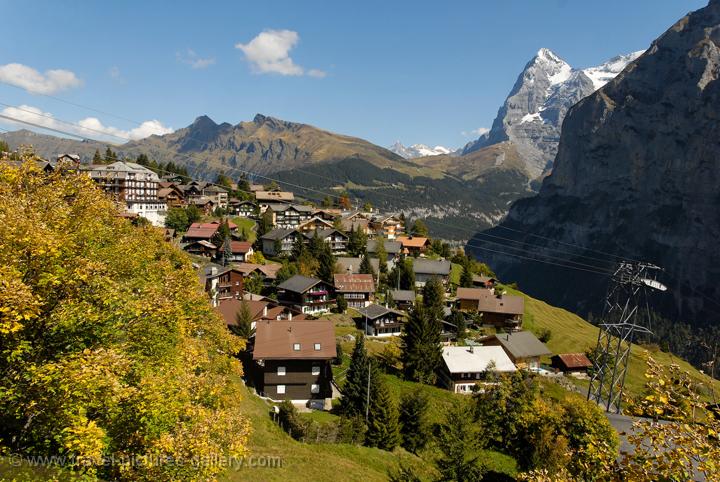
{"x": 247, "y": 225}
{"x": 570, "y": 333}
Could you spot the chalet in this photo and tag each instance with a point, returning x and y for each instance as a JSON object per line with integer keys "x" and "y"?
{"x": 425, "y": 269}
{"x": 256, "y": 187}
{"x": 240, "y": 250}
{"x": 217, "y": 194}
{"x": 337, "y": 240}
{"x": 392, "y": 248}
{"x": 463, "y": 367}
{"x": 259, "y": 310}
{"x": 170, "y": 194}
{"x": 245, "y": 209}
{"x": 502, "y": 311}
{"x": 571, "y": 362}
{"x": 200, "y": 232}
{"x": 523, "y": 348}
{"x": 315, "y": 223}
{"x": 347, "y": 265}
{"x": 403, "y": 299}
{"x": 390, "y": 227}
{"x": 268, "y": 197}
{"x": 327, "y": 214}
{"x": 201, "y": 247}
{"x": 268, "y": 272}
{"x": 279, "y": 242}
{"x": 482, "y": 281}
{"x": 289, "y": 216}
{"x": 413, "y": 245}
{"x": 357, "y": 289}
{"x": 377, "y": 320}
{"x": 204, "y": 204}
{"x": 291, "y": 361}
{"x": 306, "y": 294}
{"x": 222, "y": 282}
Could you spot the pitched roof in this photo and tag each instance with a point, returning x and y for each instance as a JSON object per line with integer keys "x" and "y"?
{"x": 522, "y": 344}
{"x": 504, "y": 304}
{"x": 431, "y": 266}
{"x": 474, "y": 294}
{"x": 275, "y": 339}
{"x": 277, "y": 234}
{"x": 391, "y": 247}
{"x": 240, "y": 246}
{"x": 354, "y": 283}
{"x": 299, "y": 283}
{"x": 413, "y": 241}
{"x": 268, "y": 270}
{"x": 403, "y": 295}
{"x": 229, "y": 308}
{"x": 323, "y": 233}
{"x": 475, "y": 359}
{"x": 374, "y": 311}
{"x": 574, "y": 360}
{"x": 274, "y": 196}
{"x": 202, "y": 230}
{"x": 352, "y": 265}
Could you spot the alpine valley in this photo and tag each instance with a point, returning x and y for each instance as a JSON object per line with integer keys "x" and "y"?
{"x": 457, "y": 192}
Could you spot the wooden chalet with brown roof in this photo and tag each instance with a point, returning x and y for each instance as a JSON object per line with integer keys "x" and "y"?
{"x": 414, "y": 245}
{"x": 502, "y": 311}
{"x": 357, "y": 289}
{"x": 240, "y": 250}
{"x": 306, "y": 294}
{"x": 571, "y": 362}
{"x": 378, "y": 320}
{"x": 222, "y": 282}
{"x": 290, "y": 360}
{"x": 523, "y": 348}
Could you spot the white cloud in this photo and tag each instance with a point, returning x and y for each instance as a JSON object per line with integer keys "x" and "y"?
{"x": 50, "y": 82}
{"x": 191, "y": 58}
{"x": 476, "y": 132}
{"x": 269, "y": 53}
{"x": 90, "y": 127}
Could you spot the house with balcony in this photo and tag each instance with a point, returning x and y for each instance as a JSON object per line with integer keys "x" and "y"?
{"x": 357, "y": 289}
{"x": 289, "y": 216}
{"x": 279, "y": 242}
{"x": 465, "y": 367}
{"x": 425, "y": 269}
{"x": 336, "y": 239}
{"x": 308, "y": 295}
{"x": 245, "y": 209}
{"x": 389, "y": 227}
{"x": 499, "y": 310}
{"x": 290, "y": 360}
{"x": 377, "y": 320}
{"x": 221, "y": 282}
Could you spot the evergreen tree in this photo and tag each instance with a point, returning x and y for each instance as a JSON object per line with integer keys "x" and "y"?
{"x": 4, "y": 147}
{"x": 458, "y": 442}
{"x": 354, "y": 391}
{"x": 342, "y": 304}
{"x": 414, "y": 424}
{"x": 466, "y": 278}
{"x": 366, "y": 266}
{"x": 243, "y": 321}
{"x": 97, "y": 158}
{"x": 457, "y": 318}
{"x": 227, "y": 251}
{"x": 434, "y": 296}
{"x": 357, "y": 242}
{"x": 299, "y": 250}
{"x": 110, "y": 156}
{"x": 326, "y": 261}
{"x": 404, "y": 272}
{"x": 419, "y": 228}
{"x": 316, "y": 245}
{"x": 381, "y": 254}
{"x": 420, "y": 342}
{"x": 383, "y": 430}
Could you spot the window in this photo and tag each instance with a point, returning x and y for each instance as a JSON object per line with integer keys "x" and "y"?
{"x": 316, "y": 370}
{"x": 281, "y": 371}
{"x": 296, "y": 346}
{"x": 315, "y": 388}
{"x": 281, "y": 389}
{"x": 317, "y": 346}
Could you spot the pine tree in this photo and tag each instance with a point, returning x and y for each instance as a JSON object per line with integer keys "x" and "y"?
{"x": 383, "y": 431}
{"x": 366, "y": 266}
{"x": 466, "y": 278}
{"x": 421, "y": 350}
{"x": 227, "y": 251}
{"x": 243, "y": 319}
{"x": 110, "y": 156}
{"x": 326, "y": 260}
{"x": 97, "y": 158}
{"x": 414, "y": 424}
{"x": 381, "y": 254}
{"x": 434, "y": 296}
{"x": 458, "y": 441}
{"x": 419, "y": 228}
{"x": 299, "y": 249}
{"x": 354, "y": 391}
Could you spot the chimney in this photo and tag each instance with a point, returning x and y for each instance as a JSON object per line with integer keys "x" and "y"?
{"x": 213, "y": 271}
{"x": 264, "y": 311}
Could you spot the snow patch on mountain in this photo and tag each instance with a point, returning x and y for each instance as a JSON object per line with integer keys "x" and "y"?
{"x": 418, "y": 150}
{"x": 604, "y": 73}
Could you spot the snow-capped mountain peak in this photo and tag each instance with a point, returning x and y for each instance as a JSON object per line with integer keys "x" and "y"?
{"x": 604, "y": 73}
{"x": 418, "y": 150}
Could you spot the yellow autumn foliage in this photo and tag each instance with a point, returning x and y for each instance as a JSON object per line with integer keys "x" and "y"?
{"x": 110, "y": 352}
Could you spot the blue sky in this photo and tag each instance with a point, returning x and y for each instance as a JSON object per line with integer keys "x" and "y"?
{"x": 420, "y": 72}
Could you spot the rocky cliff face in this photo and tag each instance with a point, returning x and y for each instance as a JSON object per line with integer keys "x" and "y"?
{"x": 532, "y": 114}
{"x": 637, "y": 174}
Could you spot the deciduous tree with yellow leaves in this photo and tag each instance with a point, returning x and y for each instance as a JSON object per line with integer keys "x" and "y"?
{"x": 109, "y": 350}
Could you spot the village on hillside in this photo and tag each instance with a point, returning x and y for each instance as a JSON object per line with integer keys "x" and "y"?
{"x": 298, "y": 280}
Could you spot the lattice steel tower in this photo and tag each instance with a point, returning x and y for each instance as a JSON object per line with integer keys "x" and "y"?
{"x": 627, "y": 292}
